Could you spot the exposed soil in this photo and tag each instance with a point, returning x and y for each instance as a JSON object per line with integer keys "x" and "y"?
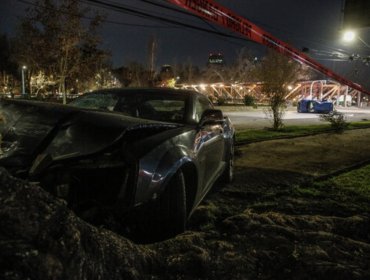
{"x": 263, "y": 226}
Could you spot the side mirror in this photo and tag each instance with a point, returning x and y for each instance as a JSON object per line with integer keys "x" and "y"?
{"x": 211, "y": 117}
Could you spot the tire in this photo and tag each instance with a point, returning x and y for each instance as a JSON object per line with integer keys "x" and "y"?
{"x": 165, "y": 217}
{"x": 228, "y": 174}
{"x": 172, "y": 207}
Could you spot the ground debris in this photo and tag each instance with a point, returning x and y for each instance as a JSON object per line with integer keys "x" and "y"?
{"x": 42, "y": 239}
{"x": 264, "y": 226}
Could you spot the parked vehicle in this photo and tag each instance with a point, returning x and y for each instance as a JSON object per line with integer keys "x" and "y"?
{"x": 314, "y": 106}
{"x": 147, "y": 155}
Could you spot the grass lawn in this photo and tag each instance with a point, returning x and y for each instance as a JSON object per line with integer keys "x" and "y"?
{"x": 355, "y": 183}
{"x": 252, "y": 135}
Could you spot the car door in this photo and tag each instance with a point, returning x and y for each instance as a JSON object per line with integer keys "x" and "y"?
{"x": 209, "y": 145}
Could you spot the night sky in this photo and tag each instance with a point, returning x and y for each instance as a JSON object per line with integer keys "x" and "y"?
{"x": 313, "y": 24}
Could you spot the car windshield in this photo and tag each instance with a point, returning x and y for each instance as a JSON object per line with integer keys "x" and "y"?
{"x": 96, "y": 101}
{"x": 160, "y": 107}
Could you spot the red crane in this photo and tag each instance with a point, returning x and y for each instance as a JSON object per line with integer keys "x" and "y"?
{"x": 214, "y": 12}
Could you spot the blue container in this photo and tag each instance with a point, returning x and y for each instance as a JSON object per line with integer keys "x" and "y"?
{"x": 314, "y": 106}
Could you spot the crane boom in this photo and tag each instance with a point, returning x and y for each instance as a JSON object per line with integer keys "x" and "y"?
{"x": 214, "y": 12}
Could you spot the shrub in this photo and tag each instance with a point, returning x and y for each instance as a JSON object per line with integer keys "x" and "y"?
{"x": 249, "y": 100}
{"x": 221, "y": 101}
{"x": 336, "y": 119}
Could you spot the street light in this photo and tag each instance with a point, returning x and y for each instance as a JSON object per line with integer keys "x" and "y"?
{"x": 350, "y": 36}
{"x": 23, "y": 86}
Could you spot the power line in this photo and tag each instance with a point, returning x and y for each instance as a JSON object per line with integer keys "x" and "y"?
{"x": 334, "y": 51}
{"x": 131, "y": 11}
{"x": 146, "y": 15}
{"x": 172, "y": 23}
{"x": 170, "y": 8}
{"x": 90, "y": 18}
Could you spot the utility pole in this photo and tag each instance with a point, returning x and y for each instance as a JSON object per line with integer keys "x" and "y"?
{"x": 152, "y": 49}
{"x": 23, "y": 84}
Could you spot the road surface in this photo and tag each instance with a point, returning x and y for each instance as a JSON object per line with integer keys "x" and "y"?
{"x": 259, "y": 118}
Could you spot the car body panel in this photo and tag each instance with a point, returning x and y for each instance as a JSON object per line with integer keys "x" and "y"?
{"x": 112, "y": 157}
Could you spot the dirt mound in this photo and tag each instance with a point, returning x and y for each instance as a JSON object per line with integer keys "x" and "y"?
{"x": 42, "y": 239}
{"x": 283, "y": 235}
{"x": 274, "y": 222}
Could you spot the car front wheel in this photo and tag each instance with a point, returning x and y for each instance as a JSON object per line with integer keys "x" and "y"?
{"x": 172, "y": 207}
{"x": 166, "y": 217}
{"x": 228, "y": 175}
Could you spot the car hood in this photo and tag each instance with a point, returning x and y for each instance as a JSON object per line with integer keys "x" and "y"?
{"x": 29, "y": 128}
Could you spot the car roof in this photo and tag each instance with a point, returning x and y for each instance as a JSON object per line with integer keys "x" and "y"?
{"x": 119, "y": 91}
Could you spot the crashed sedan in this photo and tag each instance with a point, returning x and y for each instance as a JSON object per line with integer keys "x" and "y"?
{"x": 148, "y": 155}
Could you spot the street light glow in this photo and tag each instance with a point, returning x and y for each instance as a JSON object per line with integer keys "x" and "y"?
{"x": 349, "y": 36}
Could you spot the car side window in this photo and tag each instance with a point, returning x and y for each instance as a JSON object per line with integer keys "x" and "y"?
{"x": 164, "y": 109}
{"x": 127, "y": 105}
{"x": 153, "y": 107}
{"x": 96, "y": 101}
{"x": 201, "y": 104}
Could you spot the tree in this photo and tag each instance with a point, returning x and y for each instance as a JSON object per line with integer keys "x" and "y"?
{"x": 139, "y": 77}
{"x": 276, "y": 72}
{"x": 215, "y": 74}
{"x": 53, "y": 39}
{"x": 41, "y": 83}
{"x": 241, "y": 70}
{"x": 8, "y": 68}
{"x": 187, "y": 72}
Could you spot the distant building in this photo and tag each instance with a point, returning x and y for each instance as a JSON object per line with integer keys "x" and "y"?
{"x": 166, "y": 76}
{"x": 166, "y": 72}
{"x": 216, "y": 59}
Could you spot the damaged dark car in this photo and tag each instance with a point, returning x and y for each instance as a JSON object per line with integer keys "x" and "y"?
{"x": 147, "y": 155}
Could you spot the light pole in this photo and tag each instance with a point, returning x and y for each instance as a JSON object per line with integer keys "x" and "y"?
{"x": 366, "y": 44}
{"x": 23, "y": 86}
